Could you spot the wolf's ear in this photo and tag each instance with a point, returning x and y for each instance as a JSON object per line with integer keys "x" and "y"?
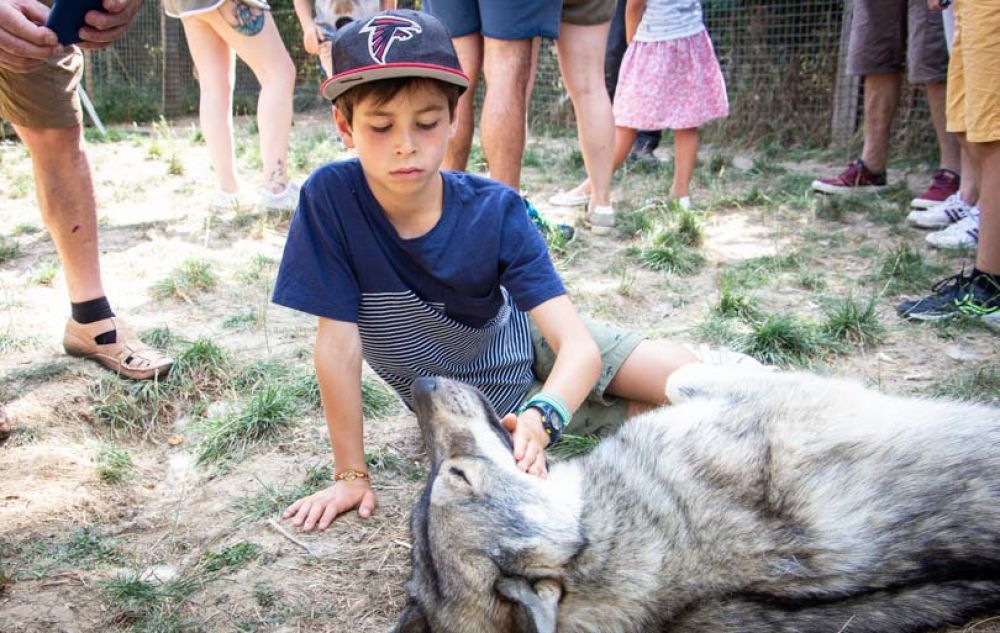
{"x": 540, "y": 602}
{"x": 462, "y": 476}
{"x": 411, "y": 620}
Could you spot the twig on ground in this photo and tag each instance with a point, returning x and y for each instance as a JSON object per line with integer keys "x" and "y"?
{"x": 282, "y": 531}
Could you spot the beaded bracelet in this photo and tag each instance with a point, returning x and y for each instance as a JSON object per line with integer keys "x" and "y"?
{"x": 350, "y": 475}
{"x": 553, "y": 401}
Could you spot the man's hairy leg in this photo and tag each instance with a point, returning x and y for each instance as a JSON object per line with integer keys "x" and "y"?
{"x": 506, "y": 65}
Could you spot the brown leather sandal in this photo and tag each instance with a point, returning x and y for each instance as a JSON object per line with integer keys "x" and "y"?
{"x": 127, "y": 356}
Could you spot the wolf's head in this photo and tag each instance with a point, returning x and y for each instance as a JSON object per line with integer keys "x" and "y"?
{"x": 488, "y": 545}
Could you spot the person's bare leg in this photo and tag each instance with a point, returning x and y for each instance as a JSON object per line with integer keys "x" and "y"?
{"x": 216, "y": 66}
{"x": 581, "y": 62}
{"x": 470, "y": 55}
{"x": 987, "y": 156}
{"x": 66, "y": 200}
{"x": 685, "y": 157}
{"x": 506, "y": 66}
{"x": 947, "y": 143}
{"x": 265, "y": 54}
{"x": 642, "y": 378}
{"x": 970, "y": 172}
{"x": 624, "y": 139}
{"x": 881, "y": 102}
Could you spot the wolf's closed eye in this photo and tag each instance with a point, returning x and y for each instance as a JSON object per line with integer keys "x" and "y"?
{"x": 457, "y": 472}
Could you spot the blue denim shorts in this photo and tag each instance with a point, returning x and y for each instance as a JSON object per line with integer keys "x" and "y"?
{"x": 508, "y": 20}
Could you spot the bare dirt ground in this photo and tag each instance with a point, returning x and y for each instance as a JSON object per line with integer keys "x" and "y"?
{"x": 123, "y": 507}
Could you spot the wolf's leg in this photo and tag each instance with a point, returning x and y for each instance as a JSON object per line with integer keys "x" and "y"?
{"x": 903, "y": 610}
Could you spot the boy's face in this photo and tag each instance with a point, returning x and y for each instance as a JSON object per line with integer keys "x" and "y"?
{"x": 401, "y": 143}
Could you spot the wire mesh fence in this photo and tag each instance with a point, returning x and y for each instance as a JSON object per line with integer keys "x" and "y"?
{"x": 783, "y": 62}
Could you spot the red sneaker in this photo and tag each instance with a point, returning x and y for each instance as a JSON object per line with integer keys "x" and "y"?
{"x": 944, "y": 183}
{"x": 857, "y": 177}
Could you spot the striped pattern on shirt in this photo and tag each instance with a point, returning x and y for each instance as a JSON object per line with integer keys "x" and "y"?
{"x": 404, "y": 338}
{"x": 669, "y": 20}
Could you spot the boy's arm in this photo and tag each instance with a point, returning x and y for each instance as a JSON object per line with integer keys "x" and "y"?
{"x": 575, "y": 372}
{"x": 310, "y": 32}
{"x": 633, "y": 15}
{"x": 338, "y": 371}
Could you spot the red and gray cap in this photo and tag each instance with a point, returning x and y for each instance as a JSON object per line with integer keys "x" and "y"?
{"x": 398, "y": 43}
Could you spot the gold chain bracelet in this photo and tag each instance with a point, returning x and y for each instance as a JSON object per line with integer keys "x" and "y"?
{"x": 350, "y": 475}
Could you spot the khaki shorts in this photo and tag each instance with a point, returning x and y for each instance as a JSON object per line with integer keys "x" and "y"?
{"x": 45, "y": 98}
{"x": 587, "y": 12}
{"x": 888, "y": 35}
{"x": 599, "y": 414}
{"x": 973, "y": 84}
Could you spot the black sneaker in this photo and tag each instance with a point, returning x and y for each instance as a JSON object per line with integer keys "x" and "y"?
{"x": 642, "y": 156}
{"x": 562, "y": 232}
{"x": 974, "y": 296}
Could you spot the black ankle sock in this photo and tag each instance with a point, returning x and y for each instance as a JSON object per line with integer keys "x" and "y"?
{"x": 976, "y": 274}
{"x": 95, "y": 310}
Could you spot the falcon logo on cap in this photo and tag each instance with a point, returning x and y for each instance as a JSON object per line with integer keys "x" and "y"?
{"x": 383, "y": 30}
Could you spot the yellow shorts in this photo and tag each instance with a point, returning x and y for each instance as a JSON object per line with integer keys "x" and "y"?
{"x": 973, "y": 79}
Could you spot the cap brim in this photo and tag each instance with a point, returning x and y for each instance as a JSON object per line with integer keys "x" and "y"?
{"x": 342, "y": 82}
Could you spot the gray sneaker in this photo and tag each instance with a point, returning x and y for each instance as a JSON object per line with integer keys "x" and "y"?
{"x": 287, "y": 200}
{"x": 601, "y": 220}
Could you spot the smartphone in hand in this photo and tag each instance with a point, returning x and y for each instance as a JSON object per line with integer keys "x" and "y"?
{"x": 66, "y": 18}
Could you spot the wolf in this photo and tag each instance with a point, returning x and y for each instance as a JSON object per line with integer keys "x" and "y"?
{"x": 757, "y": 502}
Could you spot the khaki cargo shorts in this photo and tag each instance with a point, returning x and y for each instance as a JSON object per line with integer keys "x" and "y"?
{"x": 45, "y": 98}
{"x": 973, "y": 83}
{"x": 890, "y": 35}
{"x": 599, "y": 414}
{"x": 587, "y": 12}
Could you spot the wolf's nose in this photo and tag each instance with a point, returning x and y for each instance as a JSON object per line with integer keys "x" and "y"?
{"x": 423, "y": 386}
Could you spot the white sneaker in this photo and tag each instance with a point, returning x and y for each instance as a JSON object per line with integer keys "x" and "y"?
{"x": 601, "y": 220}
{"x": 569, "y": 199}
{"x": 722, "y": 357}
{"x": 224, "y": 202}
{"x": 942, "y": 214}
{"x": 961, "y": 234}
{"x": 684, "y": 202}
{"x": 287, "y": 200}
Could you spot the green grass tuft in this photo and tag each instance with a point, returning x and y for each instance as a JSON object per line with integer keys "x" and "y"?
{"x": 147, "y": 605}
{"x": 385, "y": 459}
{"x": 190, "y": 278}
{"x": 904, "y": 269}
{"x": 570, "y": 446}
{"x": 854, "y": 323}
{"x": 377, "y": 400}
{"x": 8, "y": 249}
{"x": 782, "y": 339}
{"x": 980, "y": 384}
{"x": 114, "y": 464}
{"x": 232, "y": 434}
{"x": 231, "y": 558}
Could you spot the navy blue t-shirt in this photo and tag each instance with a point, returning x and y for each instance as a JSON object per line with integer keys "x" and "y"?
{"x": 451, "y": 302}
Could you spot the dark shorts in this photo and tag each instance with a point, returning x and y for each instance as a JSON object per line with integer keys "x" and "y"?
{"x": 890, "y": 35}
{"x": 600, "y": 414}
{"x": 587, "y": 12}
{"x": 508, "y": 20}
{"x": 45, "y": 98}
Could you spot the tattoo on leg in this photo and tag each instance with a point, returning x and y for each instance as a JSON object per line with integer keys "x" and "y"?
{"x": 279, "y": 175}
{"x": 247, "y": 20}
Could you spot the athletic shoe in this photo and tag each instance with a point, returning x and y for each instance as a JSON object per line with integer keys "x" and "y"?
{"x": 684, "y": 202}
{"x": 545, "y": 227}
{"x": 977, "y": 297}
{"x": 961, "y": 234}
{"x": 224, "y": 202}
{"x": 722, "y": 357}
{"x": 857, "y": 177}
{"x": 941, "y": 215}
{"x": 569, "y": 199}
{"x": 601, "y": 220}
{"x": 286, "y": 200}
{"x": 944, "y": 184}
{"x": 643, "y": 156}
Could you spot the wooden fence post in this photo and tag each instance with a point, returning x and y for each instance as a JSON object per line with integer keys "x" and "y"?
{"x": 170, "y": 36}
{"x": 844, "y": 110}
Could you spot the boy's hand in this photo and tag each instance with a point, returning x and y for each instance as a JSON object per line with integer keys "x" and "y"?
{"x": 530, "y": 440}
{"x": 104, "y": 27}
{"x": 318, "y": 510}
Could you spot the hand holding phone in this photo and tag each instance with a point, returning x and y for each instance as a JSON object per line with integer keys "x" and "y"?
{"x": 67, "y": 18}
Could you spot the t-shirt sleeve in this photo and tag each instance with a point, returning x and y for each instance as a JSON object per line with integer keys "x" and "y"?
{"x": 526, "y": 270}
{"x": 315, "y": 275}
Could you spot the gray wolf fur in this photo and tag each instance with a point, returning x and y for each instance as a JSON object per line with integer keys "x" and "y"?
{"x": 759, "y": 502}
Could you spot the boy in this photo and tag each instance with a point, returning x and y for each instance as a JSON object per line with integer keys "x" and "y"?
{"x": 424, "y": 272}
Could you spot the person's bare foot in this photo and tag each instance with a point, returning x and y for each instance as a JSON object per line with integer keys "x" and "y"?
{"x": 4, "y": 424}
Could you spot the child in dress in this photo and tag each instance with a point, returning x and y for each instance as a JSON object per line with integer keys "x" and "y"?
{"x": 669, "y": 79}
{"x": 321, "y": 19}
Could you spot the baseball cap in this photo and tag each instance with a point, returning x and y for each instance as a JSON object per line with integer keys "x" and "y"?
{"x": 397, "y": 43}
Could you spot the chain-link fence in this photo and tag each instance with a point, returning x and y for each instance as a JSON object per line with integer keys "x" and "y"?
{"x": 783, "y": 62}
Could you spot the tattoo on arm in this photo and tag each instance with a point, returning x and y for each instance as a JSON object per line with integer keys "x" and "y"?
{"x": 246, "y": 20}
